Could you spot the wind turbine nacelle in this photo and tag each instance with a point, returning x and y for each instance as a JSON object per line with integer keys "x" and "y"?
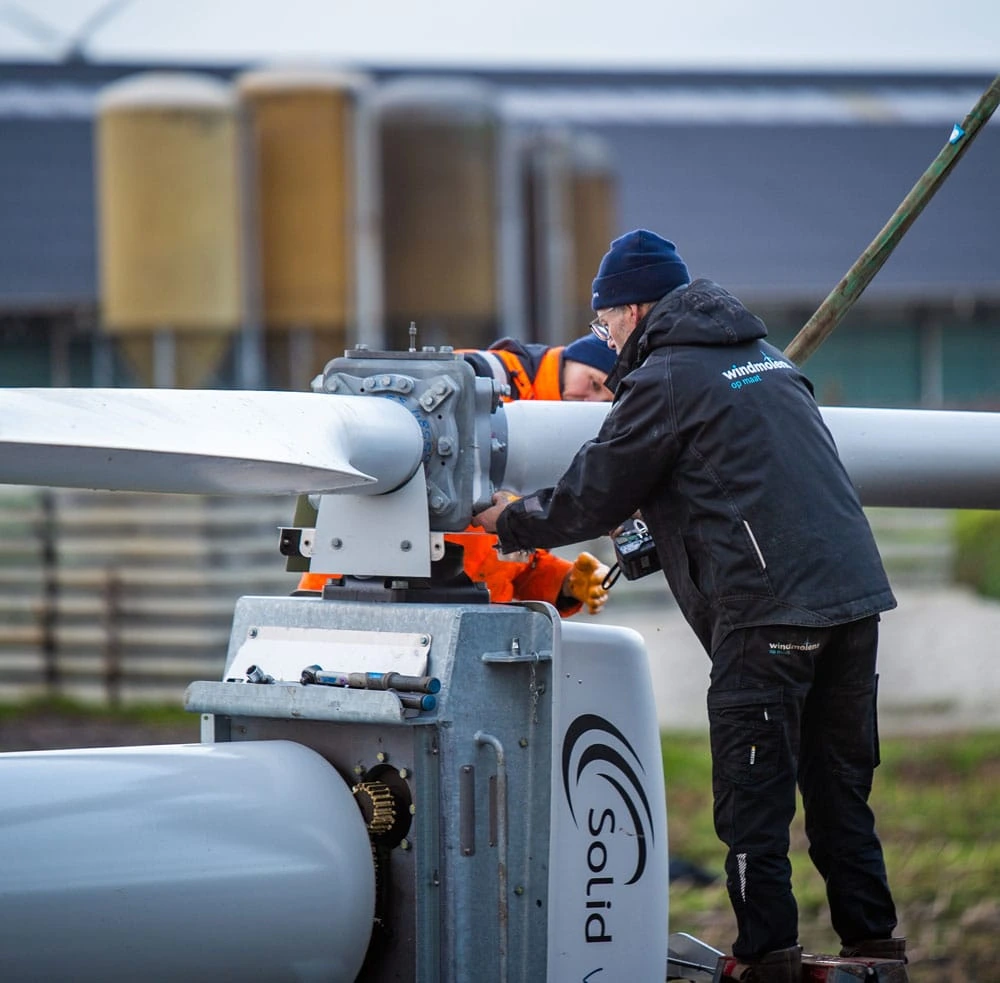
{"x": 512, "y": 828}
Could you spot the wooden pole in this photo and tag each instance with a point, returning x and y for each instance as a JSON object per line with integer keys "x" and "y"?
{"x": 842, "y": 297}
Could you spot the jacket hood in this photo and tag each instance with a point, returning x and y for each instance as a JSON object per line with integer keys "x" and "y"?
{"x": 700, "y": 313}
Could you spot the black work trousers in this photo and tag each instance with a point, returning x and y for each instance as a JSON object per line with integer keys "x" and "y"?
{"x": 789, "y": 704}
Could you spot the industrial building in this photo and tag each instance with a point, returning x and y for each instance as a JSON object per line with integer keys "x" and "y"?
{"x": 214, "y": 226}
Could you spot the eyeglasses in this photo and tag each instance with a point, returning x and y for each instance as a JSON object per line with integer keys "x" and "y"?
{"x": 600, "y": 328}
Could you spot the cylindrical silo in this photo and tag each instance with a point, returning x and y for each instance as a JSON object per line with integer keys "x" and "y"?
{"x": 169, "y": 223}
{"x": 593, "y": 217}
{"x": 437, "y": 144}
{"x": 301, "y": 124}
{"x": 548, "y": 250}
{"x": 569, "y": 218}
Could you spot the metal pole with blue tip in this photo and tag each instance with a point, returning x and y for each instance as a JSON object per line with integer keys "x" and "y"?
{"x": 832, "y": 310}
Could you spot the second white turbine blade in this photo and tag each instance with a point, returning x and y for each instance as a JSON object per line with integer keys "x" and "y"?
{"x": 903, "y": 458}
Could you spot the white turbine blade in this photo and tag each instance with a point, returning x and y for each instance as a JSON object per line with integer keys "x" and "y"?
{"x": 908, "y": 458}
{"x": 920, "y": 458}
{"x": 205, "y": 441}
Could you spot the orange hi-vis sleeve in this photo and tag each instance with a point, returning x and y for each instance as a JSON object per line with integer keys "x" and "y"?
{"x": 547, "y": 384}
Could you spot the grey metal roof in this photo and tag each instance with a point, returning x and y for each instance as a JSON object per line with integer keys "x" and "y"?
{"x": 784, "y": 212}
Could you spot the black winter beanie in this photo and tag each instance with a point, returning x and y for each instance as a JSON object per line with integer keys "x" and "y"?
{"x": 640, "y": 266}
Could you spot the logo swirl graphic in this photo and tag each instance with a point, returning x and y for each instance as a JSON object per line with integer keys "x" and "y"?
{"x": 591, "y": 731}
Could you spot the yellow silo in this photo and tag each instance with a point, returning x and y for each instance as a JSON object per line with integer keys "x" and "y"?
{"x": 438, "y": 143}
{"x": 169, "y": 223}
{"x": 301, "y": 124}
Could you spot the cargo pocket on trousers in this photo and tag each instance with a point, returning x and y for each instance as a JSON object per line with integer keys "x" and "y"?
{"x": 851, "y": 748}
{"x": 747, "y": 733}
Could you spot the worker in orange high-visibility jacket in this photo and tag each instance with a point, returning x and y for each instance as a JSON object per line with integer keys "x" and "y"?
{"x": 575, "y": 372}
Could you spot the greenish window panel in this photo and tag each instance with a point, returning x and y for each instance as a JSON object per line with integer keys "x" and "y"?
{"x": 864, "y": 365}
{"x": 970, "y": 354}
{"x": 25, "y": 362}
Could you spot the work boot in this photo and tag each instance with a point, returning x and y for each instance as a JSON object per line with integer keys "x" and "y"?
{"x": 891, "y": 950}
{"x": 780, "y": 966}
{"x": 877, "y": 949}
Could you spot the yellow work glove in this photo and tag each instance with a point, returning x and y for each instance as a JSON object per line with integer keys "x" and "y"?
{"x": 585, "y": 582}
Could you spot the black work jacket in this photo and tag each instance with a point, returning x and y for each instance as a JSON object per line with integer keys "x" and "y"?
{"x": 717, "y": 439}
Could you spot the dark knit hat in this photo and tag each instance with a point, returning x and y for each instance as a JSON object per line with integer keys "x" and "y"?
{"x": 591, "y": 351}
{"x": 640, "y": 266}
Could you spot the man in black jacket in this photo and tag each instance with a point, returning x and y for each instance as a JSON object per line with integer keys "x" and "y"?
{"x": 716, "y": 438}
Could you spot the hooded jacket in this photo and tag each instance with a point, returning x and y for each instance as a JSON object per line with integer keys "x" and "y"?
{"x": 717, "y": 439}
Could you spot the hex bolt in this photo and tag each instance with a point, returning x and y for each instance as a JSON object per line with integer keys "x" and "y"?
{"x": 404, "y": 844}
{"x": 523, "y": 742}
{"x": 406, "y": 546}
{"x": 424, "y": 640}
{"x": 382, "y": 756}
{"x": 404, "y": 773}
{"x": 252, "y": 632}
{"x": 359, "y": 770}
{"x": 519, "y": 890}
{"x": 336, "y": 543}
